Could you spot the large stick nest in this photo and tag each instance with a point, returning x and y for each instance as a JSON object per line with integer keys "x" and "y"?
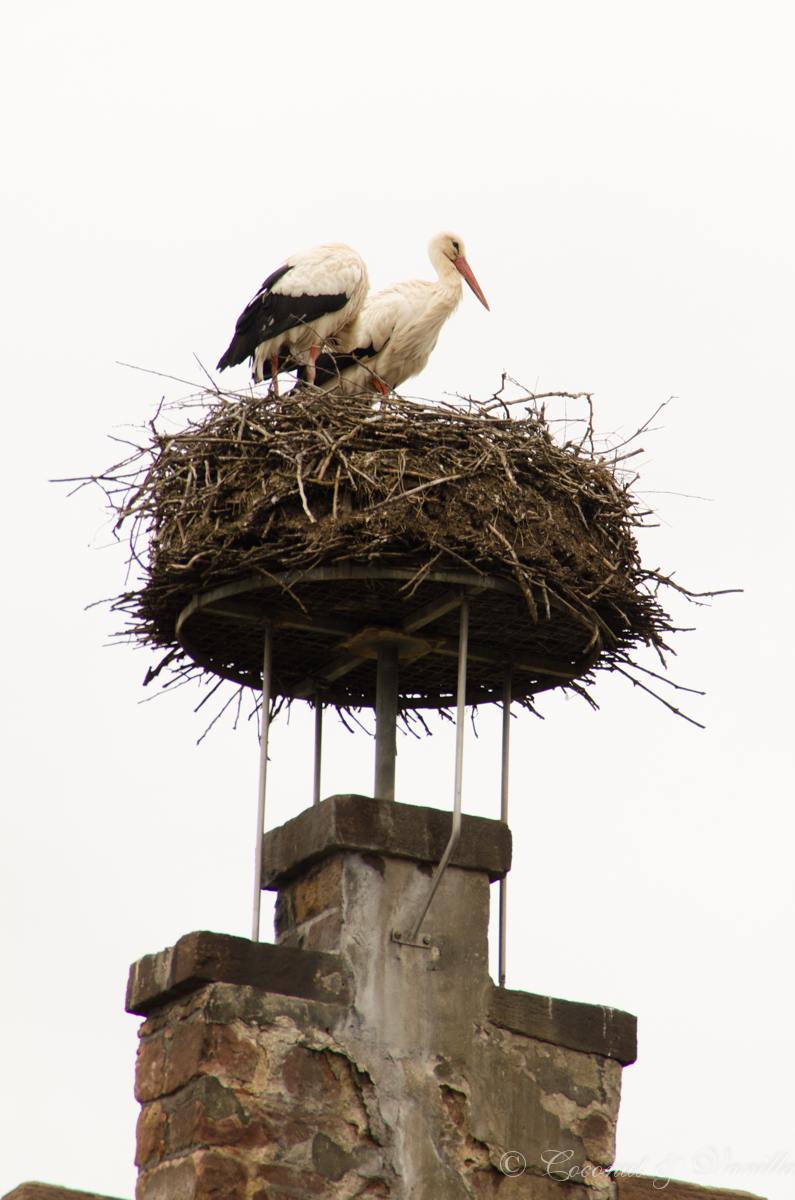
{"x": 255, "y": 486}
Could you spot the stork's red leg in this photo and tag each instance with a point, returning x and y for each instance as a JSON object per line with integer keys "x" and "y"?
{"x": 275, "y": 373}
{"x": 379, "y": 386}
{"x": 310, "y": 369}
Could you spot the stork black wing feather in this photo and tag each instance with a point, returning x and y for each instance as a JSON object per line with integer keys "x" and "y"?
{"x": 273, "y": 313}
{"x": 247, "y": 323}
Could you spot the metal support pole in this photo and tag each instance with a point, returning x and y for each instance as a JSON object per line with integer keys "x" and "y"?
{"x": 318, "y": 745}
{"x": 386, "y": 704}
{"x": 265, "y": 721}
{"x": 463, "y": 639}
{"x": 506, "y": 762}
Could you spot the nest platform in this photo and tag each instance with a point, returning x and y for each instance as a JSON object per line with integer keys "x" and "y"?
{"x": 341, "y": 526}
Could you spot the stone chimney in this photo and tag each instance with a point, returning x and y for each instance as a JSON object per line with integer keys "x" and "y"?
{"x": 344, "y": 1061}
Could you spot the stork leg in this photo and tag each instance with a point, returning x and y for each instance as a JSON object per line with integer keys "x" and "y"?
{"x": 275, "y": 373}
{"x": 379, "y": 386}
{"x": 310, "y": 366}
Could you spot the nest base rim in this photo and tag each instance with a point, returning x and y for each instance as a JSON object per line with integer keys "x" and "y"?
{"x": 225, "y": 601}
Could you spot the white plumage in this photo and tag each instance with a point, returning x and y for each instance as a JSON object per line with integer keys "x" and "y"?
{"x": 398, "y": 328}
{"x": 313, "y": 296}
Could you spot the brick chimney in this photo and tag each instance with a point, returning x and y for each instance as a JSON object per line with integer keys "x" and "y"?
{"x": 344, "y": 1062}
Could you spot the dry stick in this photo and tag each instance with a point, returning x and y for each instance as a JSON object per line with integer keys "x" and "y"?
{"x": 363, "y": 474}
{"x": 153, "y": 672}
{"x": 545, "y": 594}
{"x": 354, "y": 485}
{"x": 421, "y": 488}
{"x": 336, "y": 491}
{"x": 453, "y": 554}
{"x": 213, "y": 384}
{"x": 160, "y": 374}
{"x": 531, "y": 604}
{"x": 285, "y": 587}
{"x": 394, "y": 489}
{"x": 187, "y": 566}
{"x": 593, "y": 625}
{"x": 589, "y": 430}
{"x": 663, "y": 679}
{"x": 598, "y": 589}
{"x": 420, "y": 575}
{"x": 637, "y": 683}
{"x": 623, "y": 457}
{"x": 211, "y": 692}
{"x": 218, "y": 715}
{"x": 299, "y": 461}
{"x": 644, "y": 426}
{"x": 534, "y": 396}
{"x": 579, "y": 510}
{"x": 508, "y": 470}
{"x": 326, "y": 461}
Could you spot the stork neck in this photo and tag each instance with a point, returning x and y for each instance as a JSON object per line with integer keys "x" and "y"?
{"x": 450, "y": 283}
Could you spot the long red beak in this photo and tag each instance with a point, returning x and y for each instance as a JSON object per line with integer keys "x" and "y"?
{"x": 463, "y": 266}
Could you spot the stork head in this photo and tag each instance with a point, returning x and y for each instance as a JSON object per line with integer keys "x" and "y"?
{"x": 451, "y": 246}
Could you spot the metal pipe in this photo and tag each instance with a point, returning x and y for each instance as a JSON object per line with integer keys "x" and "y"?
{"x": 267, "y": 664}
{"x": 459, "y": 765}
{"x": 506, "y": 755}
{"x": 318, "y": 746}
{"x": 386, "y": 705}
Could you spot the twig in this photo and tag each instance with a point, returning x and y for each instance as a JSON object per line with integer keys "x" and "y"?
{"x": 298, "y": 462}
{"x": 637, "y": 683}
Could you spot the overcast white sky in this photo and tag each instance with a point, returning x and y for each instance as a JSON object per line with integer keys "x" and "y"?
{"x": 622, "y": 174}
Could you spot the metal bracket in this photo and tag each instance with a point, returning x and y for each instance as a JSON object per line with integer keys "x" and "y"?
{"x": 405, "y": 939}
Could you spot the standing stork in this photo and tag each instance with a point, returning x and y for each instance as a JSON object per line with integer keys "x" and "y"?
{"x": 398, "y": 328}
{"x": 312, "y": 297}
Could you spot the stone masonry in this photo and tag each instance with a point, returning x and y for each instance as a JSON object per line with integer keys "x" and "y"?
{"x": 344, "y": 1063}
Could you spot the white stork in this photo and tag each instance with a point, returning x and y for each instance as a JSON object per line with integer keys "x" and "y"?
{"x": 314, "y": 295}
{"x": 398, "y": 328}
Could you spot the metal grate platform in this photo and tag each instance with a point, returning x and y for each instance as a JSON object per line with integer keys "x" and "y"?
{"x": 328, "y": 623}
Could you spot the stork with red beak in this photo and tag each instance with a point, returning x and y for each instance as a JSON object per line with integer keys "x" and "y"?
{"x": 315, "y": 295}
{"x": 398, "y": 328}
